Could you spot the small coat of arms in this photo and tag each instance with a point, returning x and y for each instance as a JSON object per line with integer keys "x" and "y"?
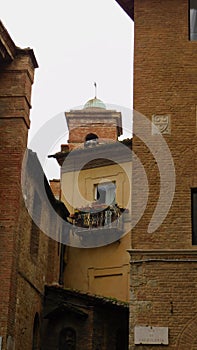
{"x": 160, "y": 124}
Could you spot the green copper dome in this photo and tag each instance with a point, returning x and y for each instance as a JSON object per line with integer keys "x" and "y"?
{"x": 94, "y": 103}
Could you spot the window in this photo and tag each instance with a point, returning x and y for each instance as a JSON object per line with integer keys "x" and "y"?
{"x": 67, "y": 339}
{"x": 106, "y": 193}
{"x": 91, "y": 140}
{"x": 36, "y": 333}
{"x": 35, "y": 231}
{"x": 194, "y": 216}
{"x": 91, "y": 137}
{"x": 193, "y": 19}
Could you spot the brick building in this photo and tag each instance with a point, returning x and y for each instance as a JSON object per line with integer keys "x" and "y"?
{"x": 28, "y": 258}
{"x": 163, "y": 309}
{"x": 164, "y": 259}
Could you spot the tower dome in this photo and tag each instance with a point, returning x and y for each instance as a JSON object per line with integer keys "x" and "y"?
{"x": 94, "y": 103}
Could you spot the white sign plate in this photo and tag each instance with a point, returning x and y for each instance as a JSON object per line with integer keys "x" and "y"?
{"x": 150, "y": 335}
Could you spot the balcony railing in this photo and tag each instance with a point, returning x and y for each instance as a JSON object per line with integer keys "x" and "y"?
{"x": 99, "y": 225}
{"x": 98, "y": 217}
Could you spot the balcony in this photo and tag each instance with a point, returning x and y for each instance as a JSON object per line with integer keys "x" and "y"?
{"x": 100, "y": 221}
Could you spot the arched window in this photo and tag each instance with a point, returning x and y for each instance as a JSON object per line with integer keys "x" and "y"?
{"x": 67, "y": 339}
{"x": 91, "y": 140}
{"x": 91, "y": 136}
{"x": 36, "y": 333}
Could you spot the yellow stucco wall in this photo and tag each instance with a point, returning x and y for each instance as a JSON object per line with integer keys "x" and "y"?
{"x": 78, "y": 188}
{"x": 104, "y": 270}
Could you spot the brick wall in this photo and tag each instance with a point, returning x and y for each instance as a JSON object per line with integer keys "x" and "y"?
{"x": 163, "y": 293}
{"x": 55, "y": 187}
{"x": 32, "y": 275}
{"x": 29, "y": 302}
{"x": 105, "y": 124}
{"x": 78, "y": 134}
{"x": 16, "y": 81}
{"x": 165, "y": 74}
{"x": 22, "y": 275}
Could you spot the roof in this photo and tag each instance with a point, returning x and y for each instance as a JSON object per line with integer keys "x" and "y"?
{"x": 90, "y": 299}
{"x": 104, "y": 154}
{"x": 32, "y": 173}
{"x": 94, "y": 103}
{"x": 8, "y": 49}
{"x": 65, "y": 307}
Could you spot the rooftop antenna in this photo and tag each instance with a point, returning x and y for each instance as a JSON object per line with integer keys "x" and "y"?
{"x": 95, "y": 89}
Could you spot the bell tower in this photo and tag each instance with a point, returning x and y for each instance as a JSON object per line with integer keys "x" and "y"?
{"x": 94, "y": 119}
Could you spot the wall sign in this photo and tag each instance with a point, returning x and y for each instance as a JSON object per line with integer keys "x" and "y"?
{"x": 150, "y": 335}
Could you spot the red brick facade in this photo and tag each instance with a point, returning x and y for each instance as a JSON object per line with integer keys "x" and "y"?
{"x": 105, "y": 124}
{"x": 55, "y": 187}
{"x": 164, "y": 262}
{"x": 165, "y": 84}
{"x": 17, "y": 69}
{"x": 22, "y": 275}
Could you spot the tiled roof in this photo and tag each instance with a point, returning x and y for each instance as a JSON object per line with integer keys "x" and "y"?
{"x": 91, "y": 298}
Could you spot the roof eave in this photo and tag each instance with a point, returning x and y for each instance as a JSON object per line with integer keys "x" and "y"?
{"x": 8, "y": 49}
{"x": 127, "y": 6}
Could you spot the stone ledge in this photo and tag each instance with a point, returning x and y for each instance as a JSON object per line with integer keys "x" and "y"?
{"x": 163, "y": 251}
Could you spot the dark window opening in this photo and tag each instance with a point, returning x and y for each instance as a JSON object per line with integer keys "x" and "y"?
{"x": 193, "y": 19}
{"x": 35, "y": 231}
{"x": 91, "y": 137}
{"x": 91, "y": 140}
{"x": 36, "y": 333}
{"x": 194, "y": 215}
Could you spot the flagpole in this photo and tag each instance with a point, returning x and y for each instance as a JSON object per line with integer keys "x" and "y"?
{"x": 95, "y": 85}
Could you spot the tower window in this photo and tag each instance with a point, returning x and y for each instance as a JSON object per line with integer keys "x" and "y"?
{"x": 91, "y": 137}
{"x": 91, "y": 140}
{"x": 194, "y": 216}
{"x": 193, "y": 19}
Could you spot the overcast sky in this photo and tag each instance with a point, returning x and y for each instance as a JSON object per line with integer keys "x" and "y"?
{"x": 75, "y": 43}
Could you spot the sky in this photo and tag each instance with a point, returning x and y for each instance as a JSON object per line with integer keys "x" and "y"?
{"x": 76, "y": 43}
